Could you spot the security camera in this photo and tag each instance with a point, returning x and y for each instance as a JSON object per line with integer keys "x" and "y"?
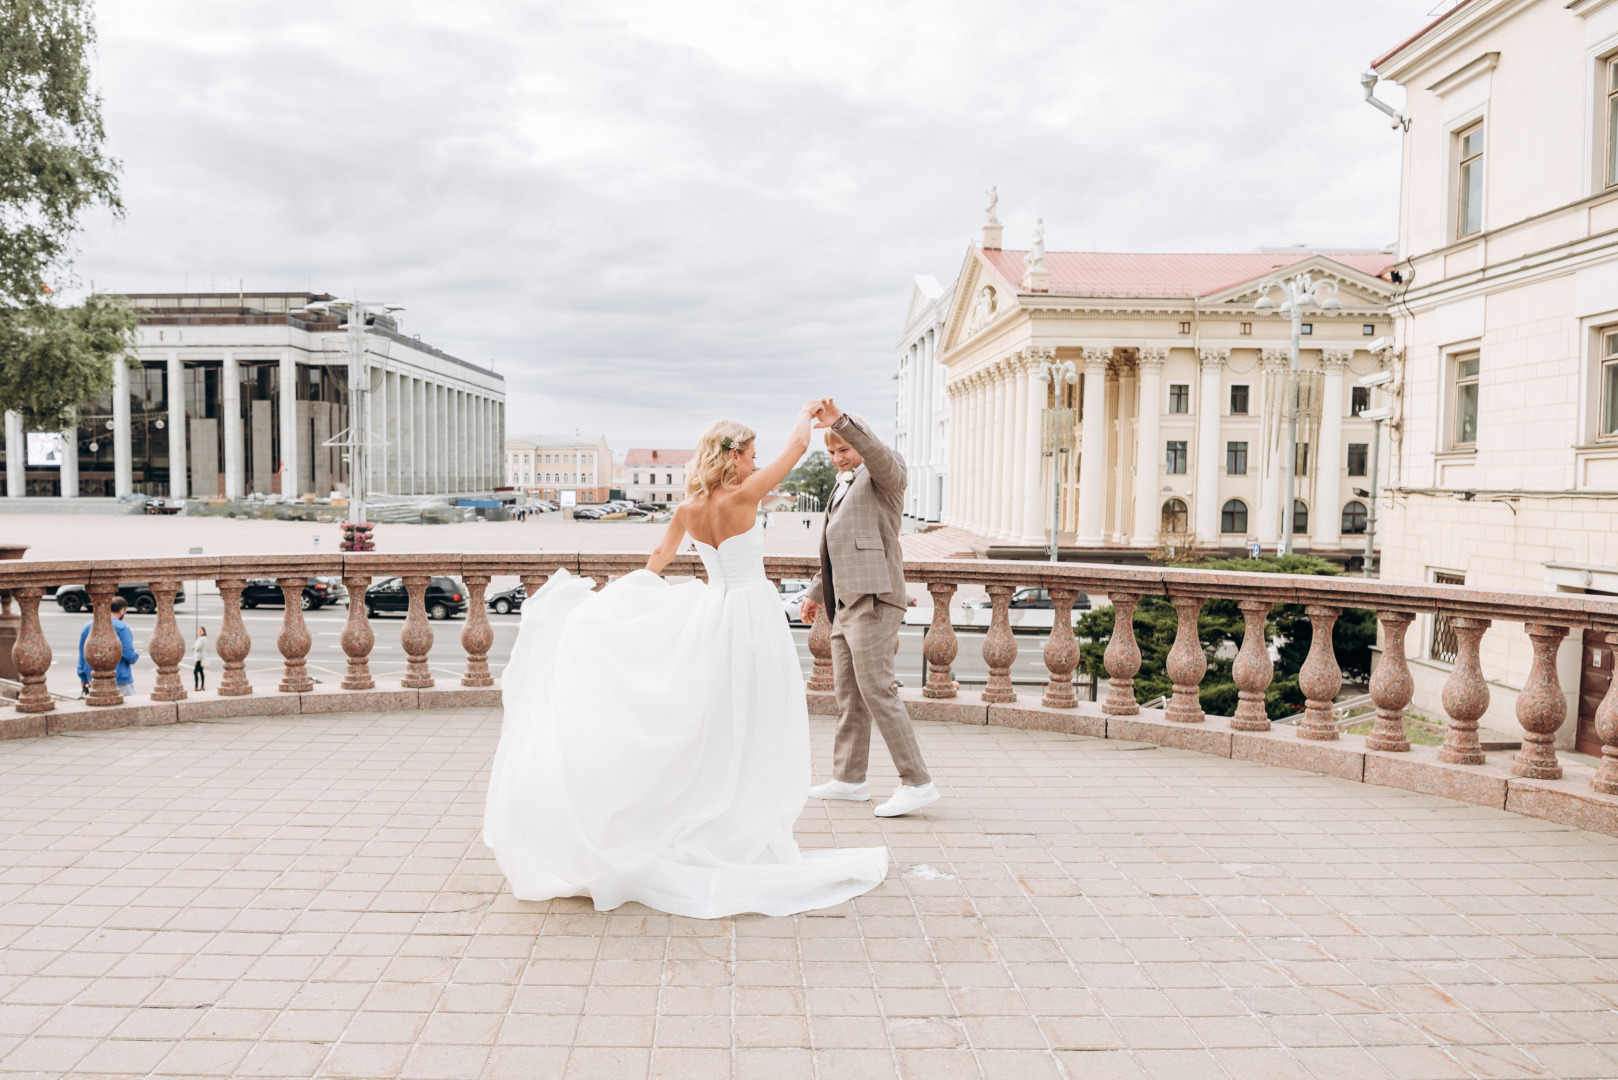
{"x": 1381, "y": 344}
{"x": 1376, "y": 378}
{"x": 1383, "y": 413}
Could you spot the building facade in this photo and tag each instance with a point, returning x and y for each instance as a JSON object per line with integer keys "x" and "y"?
{"x": 1505, "y": 468}
{"x": 921, "y": 415}
{"x": 547, "y": 466}
{"x": 234, "y": 395}
{"x": 1176, "y": 414}
{"x": 656, "y": 476}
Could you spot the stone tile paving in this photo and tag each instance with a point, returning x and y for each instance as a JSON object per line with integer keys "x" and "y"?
{"x": 307, "y": 896}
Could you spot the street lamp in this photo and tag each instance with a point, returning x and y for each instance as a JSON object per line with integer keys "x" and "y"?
{"x": 1058, "y": 435}
{"x": 1299, "y": 293}
{"x": 356, "y": 438}
{"x": 1377, "y": 417}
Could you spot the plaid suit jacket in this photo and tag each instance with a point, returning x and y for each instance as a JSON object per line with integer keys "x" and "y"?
{"x": 859, "y": 547}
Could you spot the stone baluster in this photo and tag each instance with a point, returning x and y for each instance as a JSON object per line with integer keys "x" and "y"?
{"x": 1061, "y": 652}
{"x": 293, "y": 641}
{"x": 103, "y": 650}
{"x": 1606, "y": 778}
{"x": 358, "y": 640}
{"x": 941, "y": 645}
{"x": 1321, "y": 678}
{"x": 1187, "y": 663}
{"x": 477, "y": 635}
{"x": 167, "y": 647}
{"x": 1000, "y": 647}
{"x": 32, "y": 654}
{"x": 533, "y": 582}
{"x": 1466, "y": 695}
{"x": 1541, "y": 707}
{"x": 1391, "y": 685}
{"x": 233, "y": 644}
{"x": 821, "y": 678}
{"x": 417, "y": 635}
{"x": 1122, "y": 658}
{"x": 1253, "y": 669}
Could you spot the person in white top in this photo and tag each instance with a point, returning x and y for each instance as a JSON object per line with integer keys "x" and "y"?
{"x": 199, "y": 657}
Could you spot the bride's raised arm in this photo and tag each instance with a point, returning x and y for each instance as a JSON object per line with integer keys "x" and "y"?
{"x": 763, "y": 480}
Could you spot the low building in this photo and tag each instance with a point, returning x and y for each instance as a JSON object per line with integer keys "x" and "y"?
{"x": 921, "y": 418}
{"x": 656, "y": 476}
{"x": 558, "y": 467}
{"x": 237, "y": 394}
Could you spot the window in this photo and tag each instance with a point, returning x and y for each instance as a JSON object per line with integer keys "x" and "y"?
{"x": 1444, "y": 645}
{"x": 1306, "y": 328}
{"x": 1300, "y": 459}
{"x": 1233, "y": 518}
{"x": 637, "y": 478}
{"x": 1247, "y": 328}
{"x": 1185, "y": 328}
{"x": 1469, "y": 182}
{"x": 1175, "y": 517}
{"x": 1238, "y": 401}
{"x": 1368, "y": 329}
{"x": 1236, "y": 459}
{"x": 1359, "y": 400}
{"x": 1358, "y": 454}
{"x": 1609, "y": 383}
{"x": 1176, "y": 456}
{"x": 1354, "y": 517}
{"x": 1611, "y": 85}
{"x": 1466, "y": 400}
{"x": 1179, "y": 397}
{"x": 1300, "y": 517}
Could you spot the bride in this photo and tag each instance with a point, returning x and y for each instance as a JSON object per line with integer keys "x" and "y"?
{"x": 656, "y": 742}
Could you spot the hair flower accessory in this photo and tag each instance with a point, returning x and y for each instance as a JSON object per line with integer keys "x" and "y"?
{"x": 727, "y": 444}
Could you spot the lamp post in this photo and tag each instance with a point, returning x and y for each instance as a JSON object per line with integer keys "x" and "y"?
{"x": 356, "y": 438}
{"x": 1299, "y": 293}
{"x": 1058, "y": 436}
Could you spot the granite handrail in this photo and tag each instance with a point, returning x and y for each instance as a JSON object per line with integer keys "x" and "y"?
{"x": 1541, "y": 705}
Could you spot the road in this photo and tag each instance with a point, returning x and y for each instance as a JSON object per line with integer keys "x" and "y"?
{"x": 327, "y": 661}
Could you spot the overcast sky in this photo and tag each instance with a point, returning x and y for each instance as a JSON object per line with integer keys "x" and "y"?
{"x": 651, "y": 214}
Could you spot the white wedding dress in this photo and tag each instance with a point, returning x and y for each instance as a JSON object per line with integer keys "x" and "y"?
{"x": 656, "y": 748}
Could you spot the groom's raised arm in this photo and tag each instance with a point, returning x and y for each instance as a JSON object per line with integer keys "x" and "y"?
{"x": 886, "y": 467}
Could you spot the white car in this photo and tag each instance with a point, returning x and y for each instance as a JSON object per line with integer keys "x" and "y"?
{"x": 793, "y": 591}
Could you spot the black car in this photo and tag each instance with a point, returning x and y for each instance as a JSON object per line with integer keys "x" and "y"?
{"x": 508, "y": 600}
{"x": 317, "y": 592}
{"x": 445, "y": 597}
{"x": 137, "y": 594}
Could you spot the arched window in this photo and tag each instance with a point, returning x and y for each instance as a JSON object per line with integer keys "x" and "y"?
{"x": 1354, "y": 518}
{"x": 1300, "y": 517}
{"x": 1233, "y": 518}
{"x": 1175, "y": 517}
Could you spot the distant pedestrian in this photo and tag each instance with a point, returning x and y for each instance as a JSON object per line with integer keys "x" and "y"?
{"x": 199, "y": 658}
{"x": 126, "y": 639}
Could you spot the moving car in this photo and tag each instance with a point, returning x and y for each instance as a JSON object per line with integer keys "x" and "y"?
{"x": 318, "y": 592}
{"x": 445, "y": 597}
{"x": 137, "y": 594}
{"x": 508, "y": 600}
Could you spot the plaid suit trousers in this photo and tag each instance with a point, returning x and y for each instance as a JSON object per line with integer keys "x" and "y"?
{"x": 863, "y": 637}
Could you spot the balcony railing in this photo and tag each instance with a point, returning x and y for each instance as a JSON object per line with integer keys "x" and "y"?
{"x": 1541, "y": 705}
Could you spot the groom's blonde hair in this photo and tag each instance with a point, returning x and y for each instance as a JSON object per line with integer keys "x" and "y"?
{"x": 713, "y": 467}
{"x": 835, "y": 438}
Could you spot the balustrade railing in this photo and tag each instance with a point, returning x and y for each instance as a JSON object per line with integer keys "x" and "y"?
{"x": 1541, "y": 707}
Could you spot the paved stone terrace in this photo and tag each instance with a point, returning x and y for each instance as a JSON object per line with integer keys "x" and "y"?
{"x": 307, "y": 896}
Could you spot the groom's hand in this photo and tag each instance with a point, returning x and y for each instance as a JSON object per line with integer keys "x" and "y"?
{"x": 807, "y": 610}
{"x": 829, "y": 414}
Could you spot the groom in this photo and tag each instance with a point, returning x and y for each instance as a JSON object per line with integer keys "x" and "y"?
{"x": 862, "y": 584}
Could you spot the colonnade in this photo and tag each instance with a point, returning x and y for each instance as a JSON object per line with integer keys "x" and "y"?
{"x": 917, "y": 438}
{"x": 431, "y": 437}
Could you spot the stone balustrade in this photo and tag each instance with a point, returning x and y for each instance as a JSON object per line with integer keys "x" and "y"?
{"x": 1542, "y": 705}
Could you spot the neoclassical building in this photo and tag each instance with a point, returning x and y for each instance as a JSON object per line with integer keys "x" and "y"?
{"x": 1176, "y": 417}
{"x": 921, "y": 413}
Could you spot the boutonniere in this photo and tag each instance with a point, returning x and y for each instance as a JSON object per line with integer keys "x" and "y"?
{"x": 846, "y": 477}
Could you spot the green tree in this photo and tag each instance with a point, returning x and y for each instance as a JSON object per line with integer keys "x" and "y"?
{"x": 52, "y": 168}
{"x": 815, "y": 475}
{"x": 1220, "y": 628}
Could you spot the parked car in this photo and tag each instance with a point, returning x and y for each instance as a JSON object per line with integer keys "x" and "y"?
{"x": 445, "y": 597}
{"x": 1030, "y": 609}
{"x": 508, "y": 600}
{"x": 137, "y": 594}
{"x": 650, "y": 508}
{"x": 588, "y": 513}
{"x": 317, "y": 593}
{"x": 792, "y": 592}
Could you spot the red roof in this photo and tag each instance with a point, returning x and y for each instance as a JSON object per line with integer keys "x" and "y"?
{"x": 1104, "y": 273}
{"x": 658, "y": 457}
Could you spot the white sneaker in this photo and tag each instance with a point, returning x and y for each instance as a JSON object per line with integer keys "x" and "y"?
{"x": 907, "y": 799}
{"x": 837, "y": 789}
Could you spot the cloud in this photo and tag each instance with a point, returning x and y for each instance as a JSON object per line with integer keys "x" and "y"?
{"x": 649, "y": 214}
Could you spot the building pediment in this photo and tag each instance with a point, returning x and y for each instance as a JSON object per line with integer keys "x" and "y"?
{"x": 1355, "y": 289}
{"x": 983, "y": 298}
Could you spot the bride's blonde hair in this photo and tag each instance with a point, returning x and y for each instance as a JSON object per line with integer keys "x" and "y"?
{"x": 713, "y": 467}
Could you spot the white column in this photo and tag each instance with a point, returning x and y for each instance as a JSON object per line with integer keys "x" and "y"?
{"x": 980, "y": 454}
{"x": 1326, "y": 459}
{"x": 1149, "y": 447}
{"x": 17, "y": 455}
{"x": 1000, "y": 446}
{"x": 1093, "y": 452}
{"x": 1270, "y": 494}
{"x": 178, "y": 487}
{"x": 967, "y": 511}
{"x": 1206, "y": 500}
{"x": 123, "y": 449}
{"x": 953, "y": 499}
{"x": 230, "y": 403}
{"x": 1036, "y": 497}
{"x": 70, "y": 457}
{"x": 1017, "y": 428}
{"x": 290, "y": 450}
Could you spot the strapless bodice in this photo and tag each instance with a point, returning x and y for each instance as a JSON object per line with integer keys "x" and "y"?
{"x": 737, "y": 562}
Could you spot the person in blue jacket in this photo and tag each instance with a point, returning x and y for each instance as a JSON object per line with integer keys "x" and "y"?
{"x": 126, "y": 638}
